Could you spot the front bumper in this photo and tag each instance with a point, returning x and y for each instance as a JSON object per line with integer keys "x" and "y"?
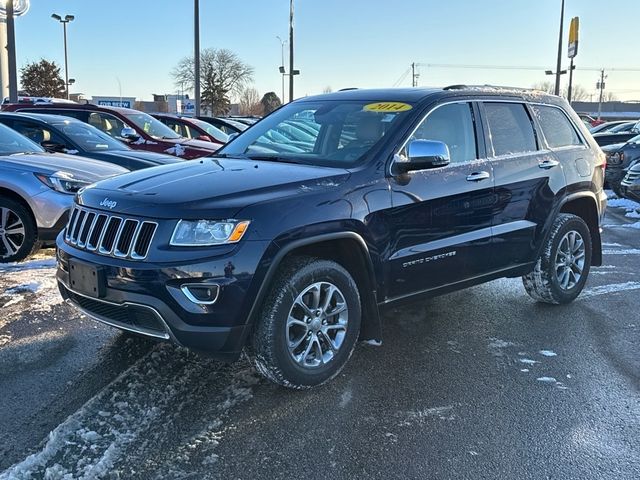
{"x": 147, "y": 299}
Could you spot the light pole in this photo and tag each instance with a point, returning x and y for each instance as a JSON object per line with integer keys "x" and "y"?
{"x": 292, "y": 72}
{"x": 281, "y": 68}
{"x": 196, "y": 56}
{"x": 559, "y": 62}
{"x": 64, "y": 21}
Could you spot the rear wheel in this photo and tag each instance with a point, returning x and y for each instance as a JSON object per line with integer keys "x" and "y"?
{"x": 309, "y": 323}
{"x": 563, "y": 266}
{"x": 18, "y": 233}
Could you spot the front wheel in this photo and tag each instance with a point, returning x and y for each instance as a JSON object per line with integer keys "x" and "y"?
{"x": 562, "y": 268}
{"x": 18, "y": 233}
{"x": 309, "y": 323}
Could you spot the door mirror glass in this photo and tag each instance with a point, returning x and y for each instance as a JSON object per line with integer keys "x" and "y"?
{"x": 129, "y": 133}
{"x": 423, "y": 155}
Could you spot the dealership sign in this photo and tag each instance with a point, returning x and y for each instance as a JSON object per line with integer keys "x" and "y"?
{"x": 573, "y": 37}
{"x": 115, "y": 103}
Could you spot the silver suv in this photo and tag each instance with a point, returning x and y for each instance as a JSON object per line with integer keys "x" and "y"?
{"x": 36, "y": 192}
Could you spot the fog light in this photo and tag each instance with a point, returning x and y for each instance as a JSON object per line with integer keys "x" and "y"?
{"x": 201, "y": 293}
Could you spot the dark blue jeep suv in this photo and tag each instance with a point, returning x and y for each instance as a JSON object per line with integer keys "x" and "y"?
{"x": 287, "y": 245}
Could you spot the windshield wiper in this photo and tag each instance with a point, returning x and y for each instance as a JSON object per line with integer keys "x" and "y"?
{"x": 276, "y": 158}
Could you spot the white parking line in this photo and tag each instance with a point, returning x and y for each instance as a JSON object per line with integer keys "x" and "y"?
{"x": 611, "y": 288}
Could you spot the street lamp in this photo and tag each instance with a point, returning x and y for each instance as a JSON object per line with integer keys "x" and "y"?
{"x": 281, "y": 68}
{"x": 64, "y": 21}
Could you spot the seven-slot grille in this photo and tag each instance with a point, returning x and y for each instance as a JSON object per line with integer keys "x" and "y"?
{"x": 111, "y": 235}
{"x": 631, "y": 177}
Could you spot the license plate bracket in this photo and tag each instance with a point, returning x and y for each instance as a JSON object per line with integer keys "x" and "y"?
{"x": 87, "y": 279}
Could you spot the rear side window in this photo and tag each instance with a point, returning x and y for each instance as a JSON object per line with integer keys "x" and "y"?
{"x": 510, "y": 128}
{"x": 556, "y": 127}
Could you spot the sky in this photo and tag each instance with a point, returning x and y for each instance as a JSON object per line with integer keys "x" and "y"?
{"x": 130, "y": 47}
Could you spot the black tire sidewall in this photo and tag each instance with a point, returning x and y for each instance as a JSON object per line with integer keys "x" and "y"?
{"x": 30, "y": 229}
{"x": 571, "y": 224}
{"x": 317, "y": 271}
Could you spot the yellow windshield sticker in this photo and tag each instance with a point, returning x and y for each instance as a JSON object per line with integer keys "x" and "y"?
{"x": 390, "y": 107}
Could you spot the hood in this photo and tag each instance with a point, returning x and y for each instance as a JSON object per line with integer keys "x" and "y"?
{"x": 151, "y": 157}
{"x": 199, "y": 144}
{"x": 613, "y": 147}
{"x": 49, "y": 163}
{"x": 208, "y": 188}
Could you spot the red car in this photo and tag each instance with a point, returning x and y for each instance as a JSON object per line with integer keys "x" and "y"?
{"x": 137, "y": 129}
{"x": 193, "y": 128}
{"x": 590, "y": 120}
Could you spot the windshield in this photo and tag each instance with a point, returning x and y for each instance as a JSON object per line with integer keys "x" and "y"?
{"x": 12, "y": 142}
{"x": 89, "y": 138}
{"x": 328, "y": 133}
{"x": 623, "y": 127}
{"x": 212, "y": 131}
{"x": 151, "y": 126}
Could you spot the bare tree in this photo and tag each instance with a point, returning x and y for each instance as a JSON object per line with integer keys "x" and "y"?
{"x": 222, "y": 74}
{"x": 270, "y": 101}
{"x": 578, "y": 92}
{"x": 250, "y": 102}
{"x": 547, "y": 87}
{"x": 609, "y": 97}
{"x": 327, "y": 89}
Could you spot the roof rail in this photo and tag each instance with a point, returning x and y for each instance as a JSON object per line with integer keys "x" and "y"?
{"x": 348, "y": 88}
{"x": 489, "y": 87}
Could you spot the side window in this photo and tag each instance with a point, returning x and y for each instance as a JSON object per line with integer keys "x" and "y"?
{"x": 556, "y": 127}
{"x": 453, "y": 125}
{"x": 39, "y": 134}
{"x": 109, "y": 124}
{"x": 510, "y": 128}
{"x": 191, "y": 132}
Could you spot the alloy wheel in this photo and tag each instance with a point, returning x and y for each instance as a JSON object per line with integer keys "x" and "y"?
{"x": 570, "y": 259}
{"x": 317, "y": 325}
{"x": 12, "y": 232}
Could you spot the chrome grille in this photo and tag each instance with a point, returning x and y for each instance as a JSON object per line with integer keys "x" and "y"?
{"x": 631, "y": 177}
{"x": 110, "y": 235}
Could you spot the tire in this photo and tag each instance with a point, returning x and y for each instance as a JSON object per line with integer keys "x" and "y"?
{"x": 18, "y": 232}
{"x": 558, "y": 278}
{"x": 283, "y": 323}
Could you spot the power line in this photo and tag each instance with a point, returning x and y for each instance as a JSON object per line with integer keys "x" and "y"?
{"x": 520, "y": 67}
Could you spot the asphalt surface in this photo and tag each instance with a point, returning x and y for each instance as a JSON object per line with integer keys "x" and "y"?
{"x": 479, "y": 384}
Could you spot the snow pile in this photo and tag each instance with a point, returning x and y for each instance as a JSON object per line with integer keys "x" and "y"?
{"x": 628, "y": 205}
{"x": 34, "y": 280}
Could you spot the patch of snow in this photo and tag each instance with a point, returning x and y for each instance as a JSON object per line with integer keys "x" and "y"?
{"x": 177, "y": 150}
{"x": 497, "y": 343}
{"x": 612, "y": 288}
{"x": 373, "y": 342}
{"x": 635, "y": 225}
{"x": 345, "y": 398}
{"x": 628, "y": 205}
{"x": 528, "y": 361}
{"x": 524, "y": 370}
{"x": 4, "y": 339}
{"x": 548, "y": 353}
{"x": 546, "y": 379}
{"x": 624, "y": 251}
{"x": 605, "y": 244}
{"x": 71, "y": 152}
{"x": 633, "y": 214}
{"x": 420, "y": 416}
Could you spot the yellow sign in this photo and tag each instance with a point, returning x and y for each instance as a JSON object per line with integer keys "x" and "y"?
{"x": 573, "y": 37}
{"x": 390, "y": 107}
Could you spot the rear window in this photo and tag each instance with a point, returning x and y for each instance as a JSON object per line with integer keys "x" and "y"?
{"x": 556, "y": 127}
{"x": 510, "y": 128}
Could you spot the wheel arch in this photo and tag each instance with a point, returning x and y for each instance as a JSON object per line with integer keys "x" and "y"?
{"x": 7, "y": 193}
{"x": 585, "y": 206}
{"x": 350, "y": 250}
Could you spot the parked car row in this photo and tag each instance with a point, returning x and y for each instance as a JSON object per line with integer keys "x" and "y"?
{"x": 49, "y": 150}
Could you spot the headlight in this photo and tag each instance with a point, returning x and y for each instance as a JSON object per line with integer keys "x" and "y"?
{"x": 62, "y": 182}
{"x": 615, "y": 158}
{"x": 192, "y": 233}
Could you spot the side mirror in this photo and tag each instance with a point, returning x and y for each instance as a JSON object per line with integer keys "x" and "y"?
{"x": 423, "y": 155}
{"x": 129, "y": 133}
{"x": 54, "y": 147}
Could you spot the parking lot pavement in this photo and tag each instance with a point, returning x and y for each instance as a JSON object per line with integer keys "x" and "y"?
{"x": 481, "y": 383}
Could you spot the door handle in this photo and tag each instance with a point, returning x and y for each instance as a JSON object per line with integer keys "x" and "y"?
{"x": 547, "y": 164}
{"x": 477, "y": 176}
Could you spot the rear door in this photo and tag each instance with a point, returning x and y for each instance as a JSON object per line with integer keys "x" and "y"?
{"x": 440, "y": 220}
{"x": 527, "y": 177}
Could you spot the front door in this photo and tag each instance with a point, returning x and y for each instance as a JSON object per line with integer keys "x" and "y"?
{"x": 440, "y": 220}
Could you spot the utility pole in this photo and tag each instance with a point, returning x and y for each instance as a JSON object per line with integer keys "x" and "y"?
{"x": 414, "y": 75}
{"x": 11, "y": 47}
{"x": 196, "y": 55}
{"x": 291, "y": 71}
{"x": 559, "y": 63}
{"x": 600, "y": 86}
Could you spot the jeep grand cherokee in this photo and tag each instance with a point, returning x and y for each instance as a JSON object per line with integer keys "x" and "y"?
{"x": 288, "y": 247}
